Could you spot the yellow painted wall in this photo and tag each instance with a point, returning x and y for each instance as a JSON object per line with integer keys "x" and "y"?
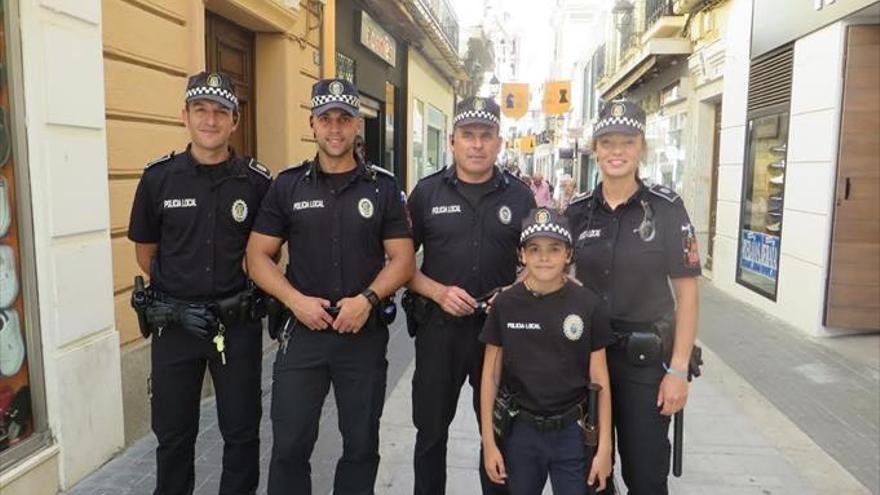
{"x": 150, "y": 47}
{"x": 428, "y": 85}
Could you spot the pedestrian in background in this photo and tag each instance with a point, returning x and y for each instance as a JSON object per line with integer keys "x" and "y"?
{"x": 635, "y": 246}
{"x": 341, "y": 219}
{"x": 542, "y": 191}
{"x": 190, "y": 221}
{"x": 565, "y": 192}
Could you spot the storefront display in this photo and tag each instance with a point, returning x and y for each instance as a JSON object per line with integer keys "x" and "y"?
{"x": 761, "y": 229}
{"x": 16, "y": 420}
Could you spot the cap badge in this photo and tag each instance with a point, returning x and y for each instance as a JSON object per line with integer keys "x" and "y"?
{"x": 336, "y": 88}
{"x": 365, "y": 208}
{"x": 573, "y": 327}
{"x": 479, "y": 104}
{"x": 618, "y": 109}
{"x": 504, "y": 215}
{"x": 239, "y": 210}
{"x": 213, "y": 80}
{"x": 542, "y": 217}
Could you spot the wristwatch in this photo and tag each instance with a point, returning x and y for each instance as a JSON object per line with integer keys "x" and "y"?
{"x": 371, "y": 296}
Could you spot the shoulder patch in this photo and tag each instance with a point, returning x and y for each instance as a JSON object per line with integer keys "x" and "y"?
{"x": 160, "y": 160}
{"x": 664, "y": 192}
{"x": 383, "y": 171}
{"x": 259, "y": 168}
{"x": 581, "y": 197}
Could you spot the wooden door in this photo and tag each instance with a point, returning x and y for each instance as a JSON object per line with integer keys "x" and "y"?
{"x": 853, "y": 298}
{"x": 229, "y": 48}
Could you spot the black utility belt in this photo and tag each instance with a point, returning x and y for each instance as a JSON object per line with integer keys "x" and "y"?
{"x": 281, "y": 320}
{"x": 233, "y": 309}
{"x": 554, "y": 422}
{"x": 644, "y": 343}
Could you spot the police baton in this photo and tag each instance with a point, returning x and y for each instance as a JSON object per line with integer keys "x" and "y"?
{"x": 677, "y": 442}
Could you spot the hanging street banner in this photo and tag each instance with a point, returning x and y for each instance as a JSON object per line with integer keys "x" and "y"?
{"x": 514, "y": 100}
{"x": 557, "y": 97}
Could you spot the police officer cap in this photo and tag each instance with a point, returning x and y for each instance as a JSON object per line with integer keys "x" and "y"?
{"x": 477, "y": 110}
{"x": 214, "y": 86}
{"x": 545, "y": 222}
{"x": 623, "y": 116}
{"x": 329, "y": 94}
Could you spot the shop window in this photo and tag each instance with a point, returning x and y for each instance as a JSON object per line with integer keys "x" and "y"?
{"x": 666, "y": 157}
{"x": 346, "y": 68}
{"x": 761, "y": 221}
{"x": 764, "y": 173}
{"x": 436, "y": 142}
{"x": 21, "y": 406}
{"x": 418, "y": 138}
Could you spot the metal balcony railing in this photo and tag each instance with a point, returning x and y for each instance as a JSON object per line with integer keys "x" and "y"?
{"x": 445, "y": 18}
{"x": 655, "y": 9}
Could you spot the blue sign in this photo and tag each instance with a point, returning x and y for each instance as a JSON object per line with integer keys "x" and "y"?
{"x": 760, "y": 254}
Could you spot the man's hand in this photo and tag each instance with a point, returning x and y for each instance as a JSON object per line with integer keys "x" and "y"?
{"x": 353, "y": 314}
{"x": 673, "y": 394}
{"x": 455, "y": 301}
{"x": 494, "y": 463}
{"x": 310, "y": 312}
{"x": 199, "y": 321}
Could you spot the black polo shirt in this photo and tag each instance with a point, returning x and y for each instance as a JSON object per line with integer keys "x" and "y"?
{"x": 473, "y": 247}
{"x": 200, "y": 216}
{"x": 547, "y": 341}
{"x": 629, "y": 273}
{"x": 334, "y": 226}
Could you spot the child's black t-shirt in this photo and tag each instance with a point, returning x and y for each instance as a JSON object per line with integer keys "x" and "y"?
{"x": 547, "y": 340}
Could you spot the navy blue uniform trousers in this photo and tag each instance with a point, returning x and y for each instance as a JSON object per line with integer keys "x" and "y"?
{"x": 356, "y": 366}
{"x": 531, "y": 455}
{"x": 641, "y": 432}
{"x": 448, "y": 351}
{"x": 179, "y": 361}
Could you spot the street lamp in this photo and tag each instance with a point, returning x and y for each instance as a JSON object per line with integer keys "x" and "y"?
{"x": 494, "y": 86}
{"x": 622, "y": 13}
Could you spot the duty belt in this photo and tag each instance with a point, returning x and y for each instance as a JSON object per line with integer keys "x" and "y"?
{"x": 232, "y": 309}
{"x": 555, "y": 422}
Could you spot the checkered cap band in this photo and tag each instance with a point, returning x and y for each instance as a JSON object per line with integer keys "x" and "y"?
{"x": 545, "y": 228}
{"x": 351, "y": 100}
{"x": 626, "y": 121}
{"x": 207, "y": 90}
{"x": 476, "y": 114}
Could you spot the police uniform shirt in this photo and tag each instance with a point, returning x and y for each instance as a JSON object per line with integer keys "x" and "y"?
{"x": 547, "y": 340}
{"x": 334, "y": 234}
{"x": 200, "y": 216}
{"x": 473, "y": 247}
{"x": 628, "y": 272}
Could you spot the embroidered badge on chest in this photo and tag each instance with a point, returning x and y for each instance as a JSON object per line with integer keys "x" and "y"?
{"x": 505, "y": 215}
{"x": 239, "y": 210}
{"x": 365, "y": 208}
{"x": 573, "y": 327}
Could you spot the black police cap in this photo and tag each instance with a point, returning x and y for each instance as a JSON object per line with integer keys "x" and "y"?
{"x": 214, "y": 86}
{"x": 545, "y": 222}
{"x": 477, "y": 110}
{"x": 329, "y": 94}
{"x": 623, "y": 116}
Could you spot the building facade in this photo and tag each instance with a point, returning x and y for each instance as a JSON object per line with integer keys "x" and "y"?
{"x": 796, "y": 231}
{"x": 91, "y": 92}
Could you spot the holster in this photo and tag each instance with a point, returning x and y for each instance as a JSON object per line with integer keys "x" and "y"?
{"x": 141, "y": 298}
{"x": 504, "y": 412}
{"x": 276, "y": 315}
{"x": 416, "y": 308}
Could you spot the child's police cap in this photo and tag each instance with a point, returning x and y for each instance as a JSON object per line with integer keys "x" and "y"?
{"x": 545, "y": 222}
{"x": 329, "y": 94}
{"x": 214, "y": 86}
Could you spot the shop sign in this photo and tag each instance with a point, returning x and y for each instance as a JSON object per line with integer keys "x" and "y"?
{"x": 760, "y": 253}
{"x": 378, "y": 40}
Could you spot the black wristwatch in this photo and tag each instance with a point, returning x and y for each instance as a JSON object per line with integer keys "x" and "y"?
{"x": 371, "y": 296}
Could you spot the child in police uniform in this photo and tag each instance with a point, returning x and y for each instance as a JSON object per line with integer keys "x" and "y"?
{"x": 546, "y": 336}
